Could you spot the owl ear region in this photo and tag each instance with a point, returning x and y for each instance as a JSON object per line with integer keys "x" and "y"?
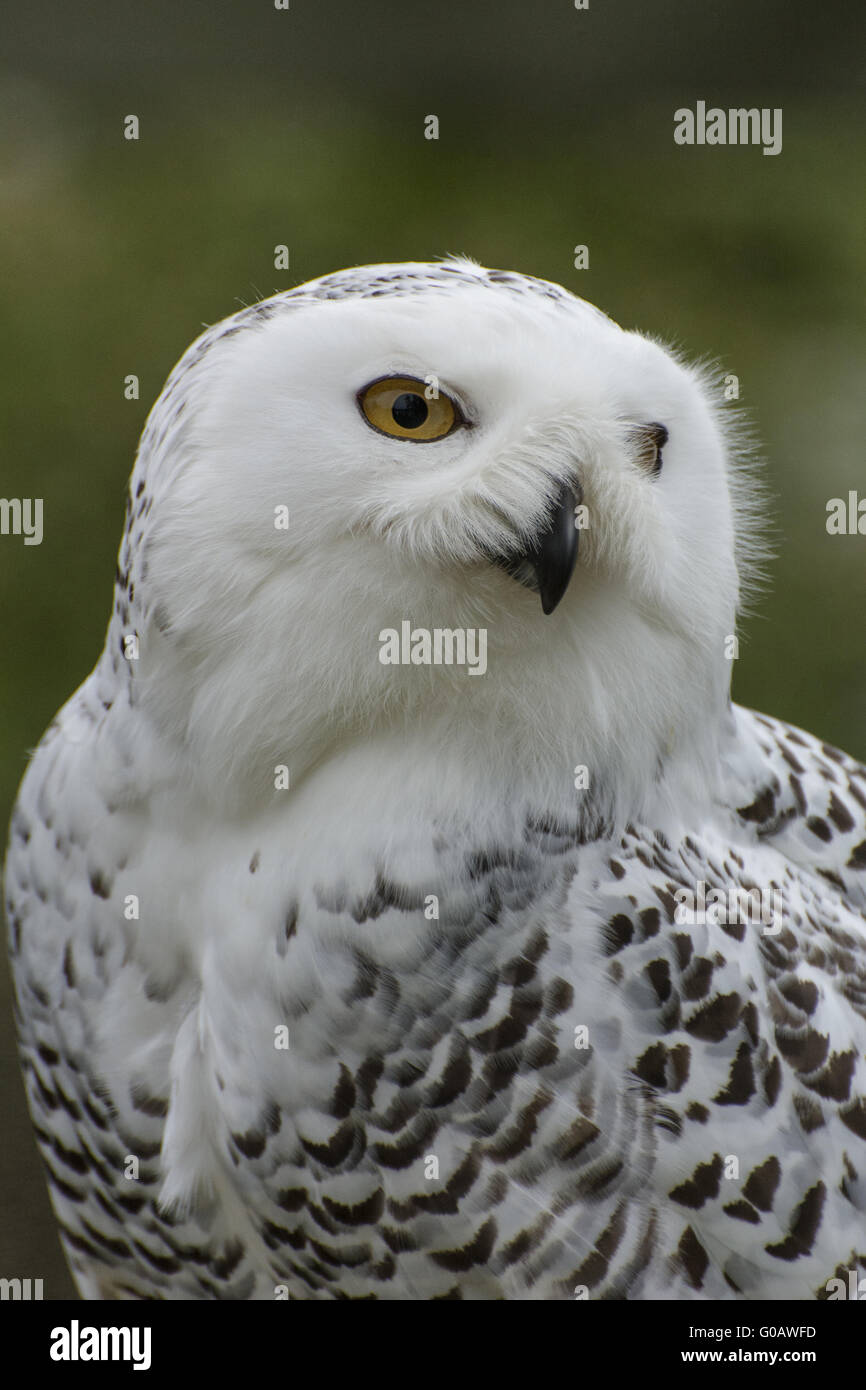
{"x": 648, "y": 442}
{"x": 547, "y": 563}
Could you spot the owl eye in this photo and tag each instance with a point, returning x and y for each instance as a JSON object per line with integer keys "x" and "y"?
{"x": 399, "y": 407}
{"x": 649, "y": 441}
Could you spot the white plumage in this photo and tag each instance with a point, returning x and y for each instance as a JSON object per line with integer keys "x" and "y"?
{"x": 513, "y": 1068}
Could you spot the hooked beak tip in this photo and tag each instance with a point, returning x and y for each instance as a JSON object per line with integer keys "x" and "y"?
{"x": 547, "y": 563}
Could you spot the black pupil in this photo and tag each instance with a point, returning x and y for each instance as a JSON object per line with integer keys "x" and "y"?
{"x": 409, "y": 411}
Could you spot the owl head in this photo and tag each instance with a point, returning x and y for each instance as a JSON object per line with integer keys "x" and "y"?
{"x": 457, "y": 450}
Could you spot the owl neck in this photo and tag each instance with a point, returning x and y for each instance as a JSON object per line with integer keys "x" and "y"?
{"x": 559, "y": 736}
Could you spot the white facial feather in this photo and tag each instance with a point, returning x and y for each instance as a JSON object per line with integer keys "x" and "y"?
{"x": 261, "y": 645}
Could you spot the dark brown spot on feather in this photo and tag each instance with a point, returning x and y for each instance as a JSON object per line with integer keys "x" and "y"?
{"x": 519, "y": 1136}
{"x": 819, "y": 828}
{"x": 398, "y": 1240}
{"x": 680, "y": 1062}
{"x": 367, "y": 1077}
{"x": 558, "y": 996}
{"x": 479, "y": 1002}
{"x": 742, "y": 1211}
{"x": 363, "y": 1213}
{"x": 275, "y": 1236}
{"x": 714, "y": 1021}
{"x": 411, "y": 1146}
{"x": 839, "y": 814}
{"x": 809, "y": 1113}
{"x": 790, "y": 759}
{"x": 802, "y": 993}
{"x": 537, "y": 945}
{"x": 509, "y": 1031}
{"x": 659, "y": 974}
{"x": 455, "y": 1078}
{"x": 741, "y": 1080}
{"x": 291, "y": 1198}
{"x": 834, "y": 1081}
{"x": 518, "y": 971}
{"x": 760, "y": 1186}
{"x": 697, "y": 980}
{"x": 99, "y": 884}
{"x": 703, "y": 1184}
{"x": 476, "y": 1252}
{"x": 805, "y": 1050}
{"x": 337, "y": 1149}
{"x": 525, "y": 1241}
{"x": 693, "y": 1258}
{"x": 596, "y": 1265}
{"x": 649, "y": 919}
{"x": 799, "y": 796}
{"x": 761, "y": 809}
{"x": 251, "y": 1144}
{"x": 683, "y": 946}
{"x": 650, "y": 1066}
{"x": 737, "y": 930}
{"x": 540, "y": 1052}
{"x": 148, "y": 1105}
{"x": 618, "y": 934}
{"x": 599, "y": 1178}
{"x": 854, "y": 1116}
{"x": 580, "y": 1133}
{"x": 749, "y": 1019}
{"x": 667, "y": 900}
{"x": 803, "y": 1228}
{"x": 69, "y": 972}
{"x": 447, "y": 1200}
{"x": 385, "y": 1269}
{"x": 344, "y": 1096}
{"x": 858, "y": 856}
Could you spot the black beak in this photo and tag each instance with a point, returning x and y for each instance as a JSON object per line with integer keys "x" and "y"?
{"x": 547, "y": 563}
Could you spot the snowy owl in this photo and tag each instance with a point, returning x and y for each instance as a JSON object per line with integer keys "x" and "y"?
{"x": 402, "y": 909}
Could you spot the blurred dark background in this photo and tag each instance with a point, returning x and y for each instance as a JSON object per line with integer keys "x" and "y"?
{"x": 304, "y": 127}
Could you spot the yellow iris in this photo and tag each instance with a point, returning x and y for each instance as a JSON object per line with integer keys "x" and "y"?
{"x": 399, "y": 407}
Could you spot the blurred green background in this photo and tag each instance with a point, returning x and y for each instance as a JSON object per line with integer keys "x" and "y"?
{"x": 305, "y": 127}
